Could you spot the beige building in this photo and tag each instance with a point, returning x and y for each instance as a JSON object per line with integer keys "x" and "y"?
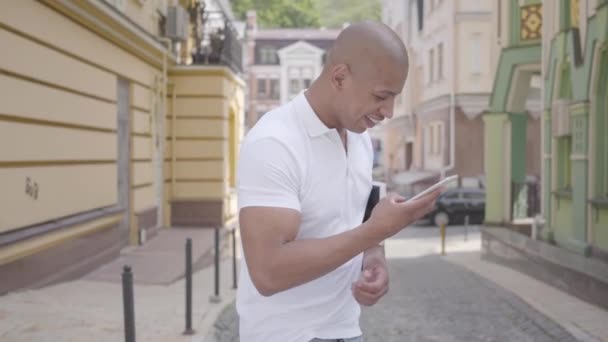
{"x": 438, "y": 127}
{"x": 104, "y": 137}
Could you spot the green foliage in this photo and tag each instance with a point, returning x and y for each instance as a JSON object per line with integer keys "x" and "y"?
{"x": 279, "y": 13}
{"x": 308, "y": 13}
{"x": 338, "y": 12}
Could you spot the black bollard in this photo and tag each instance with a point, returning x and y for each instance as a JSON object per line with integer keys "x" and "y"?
{"x": 127, "y": 298}
{"x": 234, "y": 286}
{"x": 466, "y": 228}
{"x": 216, "y": 292}
{"x": 189, "y": 330}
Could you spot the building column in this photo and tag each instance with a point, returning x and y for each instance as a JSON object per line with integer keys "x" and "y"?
{"x": 504, "y": 162}
{"x": 496, "y": 149}
{"x": 579, "y": 116}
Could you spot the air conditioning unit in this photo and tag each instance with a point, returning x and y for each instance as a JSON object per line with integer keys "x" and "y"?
{"x": 177, "y": 23}
{"x": 560, "y": 118}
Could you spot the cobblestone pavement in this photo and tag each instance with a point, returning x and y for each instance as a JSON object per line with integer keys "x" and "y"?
{"x": 434, "y": 300}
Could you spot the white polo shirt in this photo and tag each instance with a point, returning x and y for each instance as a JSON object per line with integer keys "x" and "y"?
{"x": 290, "y": 159}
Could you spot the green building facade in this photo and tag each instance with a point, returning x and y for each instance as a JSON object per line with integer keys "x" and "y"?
{"x": 574, "y": 71}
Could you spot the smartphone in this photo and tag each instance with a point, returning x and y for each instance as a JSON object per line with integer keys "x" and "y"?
{"x": 439, "y": 184}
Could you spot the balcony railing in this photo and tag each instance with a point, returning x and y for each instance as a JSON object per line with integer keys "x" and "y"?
{"x": 216, "y": 41}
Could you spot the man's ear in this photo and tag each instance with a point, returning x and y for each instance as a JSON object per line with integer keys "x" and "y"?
{"x": 339, "y": 73}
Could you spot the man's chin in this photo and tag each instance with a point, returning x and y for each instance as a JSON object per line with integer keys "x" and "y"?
{"x": 359, "y": 130}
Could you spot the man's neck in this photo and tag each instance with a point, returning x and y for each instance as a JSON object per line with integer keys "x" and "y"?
{"x": 320, "y": 102}
{"x": 321, "y": 105}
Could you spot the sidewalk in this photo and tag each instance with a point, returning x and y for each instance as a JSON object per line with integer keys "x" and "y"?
{"x": 160, "y": 261}
{"x": 92, "y": 308}
{"x": 584, "y": 321}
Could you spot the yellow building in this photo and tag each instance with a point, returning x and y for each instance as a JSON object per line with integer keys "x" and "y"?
{"x": 104, "y": 137}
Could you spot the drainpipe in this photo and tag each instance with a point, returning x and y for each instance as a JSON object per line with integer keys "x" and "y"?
{"x": 160, "y": 172}
{"x": 452, "y": 162}
{"x": 173, "y": 140}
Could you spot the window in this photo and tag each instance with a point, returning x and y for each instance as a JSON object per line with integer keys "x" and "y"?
{"x": 268, "y": 55}
{"x": 439, "y": 138}
{"x": 475, "y": 54}
{"x": 440, "y": 61}
{"x": 274, "y": 89}
{"x": 431, "y": 65}
{"x": 294, "y": 86}
{"x": 300, "y": 78}
{"x": 432, "y": 140}
{"x": 564, "y": 167}
{"x": 420, "y": 12}
{"x": 564, "y": 143}
{"x": 262, "y": 87}
{"x": 428, "y": 149}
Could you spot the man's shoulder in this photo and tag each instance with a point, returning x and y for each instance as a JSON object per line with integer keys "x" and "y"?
{"x": 280, "y": 125}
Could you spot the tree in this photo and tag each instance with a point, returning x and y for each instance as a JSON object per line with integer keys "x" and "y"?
{"x": 279, "y": 13}
{"x": 338, "y": 12}
{"x": 308, "y": 13}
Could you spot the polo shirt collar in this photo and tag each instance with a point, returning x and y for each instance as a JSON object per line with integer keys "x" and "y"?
{"x": 313, "y": 125}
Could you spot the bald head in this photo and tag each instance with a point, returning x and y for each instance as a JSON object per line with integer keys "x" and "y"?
{"x": 366, "y": 70}
{"x": 364, "y": 45}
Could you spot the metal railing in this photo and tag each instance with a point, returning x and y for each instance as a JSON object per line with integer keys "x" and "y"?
{"x": 525, "y": 199}
{"x": 216, "y": 39}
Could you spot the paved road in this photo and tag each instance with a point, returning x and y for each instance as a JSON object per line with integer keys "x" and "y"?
{"x": 434, "y": 300}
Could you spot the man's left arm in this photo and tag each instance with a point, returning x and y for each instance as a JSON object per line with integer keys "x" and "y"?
{"x": 373, "y": 282}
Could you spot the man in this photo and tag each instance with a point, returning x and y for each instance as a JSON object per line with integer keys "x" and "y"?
{"x": 304, "y": 178}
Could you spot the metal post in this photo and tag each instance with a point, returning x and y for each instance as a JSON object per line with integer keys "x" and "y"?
{"x": 234, "y": 280}
{"x": 216, "y": 293}
{"x": 189, "y": 330}
{"x": 466, "y": 228}
{"x": 127, "y": 299}
{"x": 442, "y": 239}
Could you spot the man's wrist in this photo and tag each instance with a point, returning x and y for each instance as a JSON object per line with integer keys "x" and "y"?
{"x": 376, "y": 251}
{"x": 371, "y": 235}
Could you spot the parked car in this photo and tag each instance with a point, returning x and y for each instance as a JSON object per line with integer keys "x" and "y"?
{"x": 457, "y": 203}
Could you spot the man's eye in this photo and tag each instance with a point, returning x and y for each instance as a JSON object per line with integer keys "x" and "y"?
{"x": 379, "y": 98}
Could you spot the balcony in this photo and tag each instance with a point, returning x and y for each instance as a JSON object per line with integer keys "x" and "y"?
{"x": 215, "y": 38}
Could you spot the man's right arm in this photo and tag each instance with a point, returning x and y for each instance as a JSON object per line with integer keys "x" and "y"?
{"x": 269, "y": 219}
{"x": 277, "y": 261}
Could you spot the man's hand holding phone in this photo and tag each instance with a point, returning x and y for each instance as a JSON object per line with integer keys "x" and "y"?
{"x": 393, "y": 213}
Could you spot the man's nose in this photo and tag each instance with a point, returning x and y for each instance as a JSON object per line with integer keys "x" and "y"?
{"x": 387, "y": 110}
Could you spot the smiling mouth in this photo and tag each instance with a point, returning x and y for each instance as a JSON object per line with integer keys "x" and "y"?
{"x": 372, "y": 120}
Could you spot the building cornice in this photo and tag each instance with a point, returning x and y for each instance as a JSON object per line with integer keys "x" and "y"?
{"x": 206, "y": 70}
{"x": 474, "y": 16}
{"x": 106, "y": 21}
{"x": 471, "y": 104}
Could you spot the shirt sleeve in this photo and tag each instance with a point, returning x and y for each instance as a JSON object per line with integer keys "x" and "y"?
{"x": 268, "y": 175}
